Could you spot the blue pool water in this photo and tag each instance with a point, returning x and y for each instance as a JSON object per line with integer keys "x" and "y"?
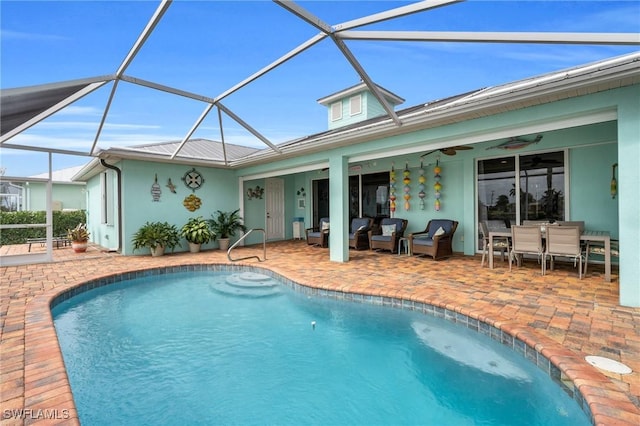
{"x": 221, "y": 348}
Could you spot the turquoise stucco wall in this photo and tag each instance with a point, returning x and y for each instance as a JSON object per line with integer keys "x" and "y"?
{"x": 219, "y": 192}
{"x": 104, "y": 234}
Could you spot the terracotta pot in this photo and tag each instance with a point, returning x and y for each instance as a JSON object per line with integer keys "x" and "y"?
{"x": 79, "y": 246}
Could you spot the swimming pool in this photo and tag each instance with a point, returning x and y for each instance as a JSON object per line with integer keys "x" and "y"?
{"x": 214, "y": 348}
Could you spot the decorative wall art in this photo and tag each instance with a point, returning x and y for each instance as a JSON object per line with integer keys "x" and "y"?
{"x": 171, "y": 186}
{"x": 437, "y": 186}
{"x": 406, "y": 180}
{"x": 256, "y": 192}
{"x": 155, "y": 190}
{"x": 301, "y": 192}
{"x": 192, "y": 202}
{"x": 516, "y": 142}
{"x": 392, "y": 191}
{"x": 193, "y": 179}
{"x": 421, "y": 181}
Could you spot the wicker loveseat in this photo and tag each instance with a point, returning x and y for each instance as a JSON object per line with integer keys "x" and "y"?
{"x": 436, "y": 240}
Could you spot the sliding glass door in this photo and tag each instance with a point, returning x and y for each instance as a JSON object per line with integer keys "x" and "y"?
{"x": 538, "y": 192}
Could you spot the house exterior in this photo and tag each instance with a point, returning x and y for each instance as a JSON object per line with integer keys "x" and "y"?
{"x": 31, "y": 194}
{"x": 67, "y": 194}
{"x": 566, "y": 132}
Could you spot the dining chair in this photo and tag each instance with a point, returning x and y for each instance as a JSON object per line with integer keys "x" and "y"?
{"x": 564, "y": 241}
{"x": 578, "y": 223}
{"x": 526, "y": 240}
{"x": 499, "y": 243}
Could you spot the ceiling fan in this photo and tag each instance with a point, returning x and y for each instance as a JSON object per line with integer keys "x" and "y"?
{"x": 451, "y": 150}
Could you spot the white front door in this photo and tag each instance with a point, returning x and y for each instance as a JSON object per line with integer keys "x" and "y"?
{"x": 275, "y": 208}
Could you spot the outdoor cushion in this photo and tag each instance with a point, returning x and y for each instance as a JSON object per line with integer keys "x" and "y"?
{"x": 388, "y": 230}
{"x": 384, "y": 238}
{"x": 358, "y": 223}
{"x": 440, "y": 231}
{"x": 423, "y": 241}
{"x": 325, "y": 226}
{"x": 439, "y": 223}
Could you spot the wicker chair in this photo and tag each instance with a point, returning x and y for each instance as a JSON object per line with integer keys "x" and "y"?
{"x": 436, "y": 240}
{"x": 319, "y": 235}
{"x": 359, "y": 233}
{"x": 379, "y": 241}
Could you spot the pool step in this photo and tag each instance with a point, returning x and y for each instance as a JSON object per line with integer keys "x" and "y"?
{"x": 247, "y": 284}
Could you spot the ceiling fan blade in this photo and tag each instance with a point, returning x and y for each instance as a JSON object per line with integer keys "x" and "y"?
{"x": 448, "y": 151}
{"x": 430, "y": 152}
{"x": 462, "y": 147}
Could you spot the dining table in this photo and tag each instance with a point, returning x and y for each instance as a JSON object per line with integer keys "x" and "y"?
{"x": 586, "y": 235}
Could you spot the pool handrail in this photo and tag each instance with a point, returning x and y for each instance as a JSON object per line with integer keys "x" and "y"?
{"x": 264, "y": 246}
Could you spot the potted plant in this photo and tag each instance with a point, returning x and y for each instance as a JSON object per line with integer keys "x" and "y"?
{"x": 225, "y": 225}
{"x": 157, "y": 236}
{"x": 79, "y": 237}
{"x": 197, "y": 232}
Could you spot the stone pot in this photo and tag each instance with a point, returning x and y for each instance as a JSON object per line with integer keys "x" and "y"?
{"x": 224, "y": 243}
{"x": 194, "y": 247}
{"x": 158, "y": 251}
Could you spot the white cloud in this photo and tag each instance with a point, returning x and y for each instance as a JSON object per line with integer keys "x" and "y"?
{"x": 81, "y": 110}
{"x": 20, "y": 35}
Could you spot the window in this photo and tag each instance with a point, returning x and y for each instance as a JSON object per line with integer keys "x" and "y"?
{"x": 336, "y": 111}
{"x": 106, "y": 194}
{"x": 355, "y": 105}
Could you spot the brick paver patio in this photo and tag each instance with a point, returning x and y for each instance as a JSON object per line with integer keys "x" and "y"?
{"x": 563, "y": 317}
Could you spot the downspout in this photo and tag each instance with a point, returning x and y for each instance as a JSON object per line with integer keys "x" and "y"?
{"x": 119, "y": 189}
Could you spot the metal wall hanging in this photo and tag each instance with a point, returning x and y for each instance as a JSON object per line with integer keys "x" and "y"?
{"x": 256, "y": 192}
{"x": 193, "y": 179}
{"x": 301, "y": 192}
{"x": 516, "y": 142}
{"x": 171, "y": 186}
{"x": 392, "y": 191}
{"x": 437, "y": 186}
{"x": 406, "y": 180}
{"x": 155, "y": 190}
{"x": 192, "y": 202}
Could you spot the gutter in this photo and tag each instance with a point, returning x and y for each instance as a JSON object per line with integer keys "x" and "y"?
{"x": 119, "y": 189}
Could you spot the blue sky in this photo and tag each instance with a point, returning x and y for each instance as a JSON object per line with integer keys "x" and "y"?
{"x": 206, "y": 47}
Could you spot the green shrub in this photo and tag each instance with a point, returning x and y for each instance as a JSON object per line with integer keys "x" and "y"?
{"x": 62, "y": 221}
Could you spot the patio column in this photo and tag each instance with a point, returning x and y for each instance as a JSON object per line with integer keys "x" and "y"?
{"x": 628, "y": 200}
{"x": 339, "y": 208}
